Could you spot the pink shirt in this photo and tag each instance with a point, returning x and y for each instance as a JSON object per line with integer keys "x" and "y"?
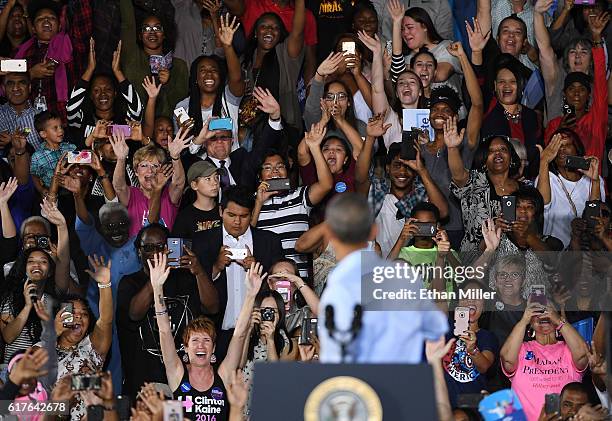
{"x": 542, "y": 369}
{"x": 138, "y": 209}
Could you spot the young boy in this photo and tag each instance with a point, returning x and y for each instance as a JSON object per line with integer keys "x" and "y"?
{"x": 49, "y": 127}
{"x": 203, "y": 214}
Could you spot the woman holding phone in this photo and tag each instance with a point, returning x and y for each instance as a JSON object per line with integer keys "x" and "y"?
{"x": 197, "y": 377}
{"x": 554, "y": 355}
{"x": 565, "y": 188}
{"x": 30, "y": 280}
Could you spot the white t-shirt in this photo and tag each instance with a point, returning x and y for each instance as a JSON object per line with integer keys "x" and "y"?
{"x": 558, "y": 214}
{"x": 389, "y": 227}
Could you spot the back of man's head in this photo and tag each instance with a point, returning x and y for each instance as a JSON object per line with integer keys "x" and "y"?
{"x": 349, "y": 218}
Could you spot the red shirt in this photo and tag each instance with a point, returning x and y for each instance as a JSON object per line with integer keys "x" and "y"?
{"x": 592, "y": 128}
{"x": 253, "y": 9}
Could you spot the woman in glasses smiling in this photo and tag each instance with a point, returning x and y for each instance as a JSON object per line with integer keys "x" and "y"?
{"x": 145, "y": 53}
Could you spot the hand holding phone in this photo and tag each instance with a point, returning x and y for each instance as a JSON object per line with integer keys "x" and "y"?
{"x": 462, "y": 320}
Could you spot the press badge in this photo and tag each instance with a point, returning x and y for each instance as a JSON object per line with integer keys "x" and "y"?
{"x": 40, "y": 104}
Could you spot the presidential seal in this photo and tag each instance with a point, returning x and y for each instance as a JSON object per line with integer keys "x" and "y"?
{"x": 343, "y": 398}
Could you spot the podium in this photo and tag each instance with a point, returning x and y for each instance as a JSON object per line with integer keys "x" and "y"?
{"x": 330, "y": 392}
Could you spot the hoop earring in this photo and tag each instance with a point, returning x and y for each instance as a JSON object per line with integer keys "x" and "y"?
{"x": 531, "y": 333}
{"x": 186, "y": 358}
{"x": 213, "y": 359}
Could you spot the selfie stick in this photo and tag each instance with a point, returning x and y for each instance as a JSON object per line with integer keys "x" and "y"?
{"x": 343, "y": 337}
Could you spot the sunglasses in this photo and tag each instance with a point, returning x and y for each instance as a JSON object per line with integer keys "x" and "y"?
{"x": 153, "y": 248}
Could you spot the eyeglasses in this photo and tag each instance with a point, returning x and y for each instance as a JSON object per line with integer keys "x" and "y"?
{"x": 270, "y": 168}
{"x": 153, "y": 248}
{"x": 513, "y": 275}
{"x": 115, "y": 225}
{"x": 152, "y": 28}
{"x": 340, "y": 96}
{"x": 146, "y": 165}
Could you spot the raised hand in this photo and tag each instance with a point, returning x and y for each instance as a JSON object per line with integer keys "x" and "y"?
{"x": 62, "y": 167}
{"x": 91, "y": 60}
{"x": 100, "y": 269}
{"x": 254, "y": 278}
{"x": 150, "y": 87}
{"x": 212, "y": 6}
{"x": 315, "y": 136}
{"x": 161, "y": 178}
{"x": 542, "y": 6}
{"x": 376, "y": 126}
{"x": 598, "y": 23}
{"x": 396, "y": 10}
{"x": 491, "y": 234}
{"x": 116, "y": 64}
{"x": 593, "y": 171}
{"x": 120, "y": 148}
{"x": 52, "y": 213}
{"x": 436, "y": 350}
{"x": 443, "y": 243}
{"x": 455, "y": 49}
{"x": 267, "y": 103}
{"x": 325, "y": 113}
{"x": 549, "y": 153}
{"x": 101, "y": 129}
{"x": 19, "y": 141}
{"x": 262, "y": 192}
{"x": 477, "y": 39}
{"x": 158, "y": 270}
{"x": 204, "y": 134}
{"x": 330, "y": 64}
{"x": 415, "y": 164}
{"x": 179, "y": 143}
{"x": 452, "y": 139}
{"x": 30, "y": 366}
{"x": 7, "y": 189}
{"x": 227, "y": 30}
{"x": 237, "y": 389}
{"x": 373, "y": 44}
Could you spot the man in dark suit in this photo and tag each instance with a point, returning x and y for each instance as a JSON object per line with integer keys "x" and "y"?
{"x": 227, "y": 252}
{"x": 240, "y": 167}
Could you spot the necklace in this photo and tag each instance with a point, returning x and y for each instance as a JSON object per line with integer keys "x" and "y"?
{"x": 513, "y": 117}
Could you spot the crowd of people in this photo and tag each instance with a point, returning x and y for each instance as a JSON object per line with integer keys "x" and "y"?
{"x": 181, "y": 178}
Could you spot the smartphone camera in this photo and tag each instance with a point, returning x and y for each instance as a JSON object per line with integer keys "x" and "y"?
{"x": 267, "y": 314}
{"x": 85, "y": 382}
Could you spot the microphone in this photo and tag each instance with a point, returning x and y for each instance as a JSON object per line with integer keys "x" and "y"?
{"x": 356, "y": 324}
{"x": 329, "y": 320}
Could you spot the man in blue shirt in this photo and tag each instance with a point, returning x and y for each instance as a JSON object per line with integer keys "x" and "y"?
{"x": 115, "y": 245}
{"x": 385, "y": 336}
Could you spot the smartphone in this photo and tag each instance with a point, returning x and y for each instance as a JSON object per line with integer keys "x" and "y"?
{"x": 267, "y": 314}
{"x": 69, "y": 311}
{"x": 25, "y": 131}
{"x": 118, "y": 128}
{"x": 123, "y": 406}
{"x": 85, "y": 382}
{"x": 348, "y": 47}
{"x": 52, "y": 61}
{"x": 469, "y": 400}
{"x": 220, "y": 124}
{"x": 283, "y": 287}
{"x": 408, "y": 152}
{"x": 552, "y": 403}
{"x": 17, "y": 66}
{"x": 309, "y": 330}
{"x": 592, "y": 208}
{"x": 237, "y": 254}
{"x": 538, "y": 294}
{"x": 508, "y": 204}
{"x": 577, "y": 163}
{"x": 279, "y": 184}
{"x": 155, "y": 63}
{"x": 569, "y": 109}
{"x": 426, "y": 229}
{"x": 79, "y": 157}
{"x": 173, "y": 411}
{"x": 462, "y": 320}
{"x": 585, "y": 2}
{"x": 175, "y": 247}
{"x": 181, "y": 115}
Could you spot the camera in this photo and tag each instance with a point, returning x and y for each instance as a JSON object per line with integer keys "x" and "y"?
{"x": 267, "y": 314}
{"x": 86, "y": 382}
{"x": 42, "y": 241}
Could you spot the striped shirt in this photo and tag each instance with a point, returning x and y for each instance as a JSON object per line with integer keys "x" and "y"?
{"x": 76, "y": 114}
{"x": 23, "y": 341}
{"x": 10, "y": 121}
{"x": 288, "y": 216}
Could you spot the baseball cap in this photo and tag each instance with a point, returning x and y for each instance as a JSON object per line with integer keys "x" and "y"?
{"x": 200, "y": 169}
{"x": 446, "y": 95}
{"x": 582, "y": 78}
